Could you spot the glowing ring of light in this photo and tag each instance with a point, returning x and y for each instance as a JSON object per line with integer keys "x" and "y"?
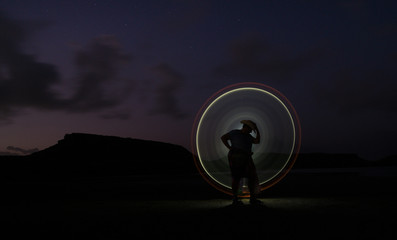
{"x": 215, "y": 153}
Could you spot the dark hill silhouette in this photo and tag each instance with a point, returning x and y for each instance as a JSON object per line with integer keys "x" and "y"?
{"x": 89, "y": 155}
{"x": 387, "y": 161}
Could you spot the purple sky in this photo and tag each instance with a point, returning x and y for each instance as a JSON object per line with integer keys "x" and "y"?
{"x": 142, "y": 69}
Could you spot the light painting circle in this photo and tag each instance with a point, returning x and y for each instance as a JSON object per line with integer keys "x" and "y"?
{"x": 277, "y": 122}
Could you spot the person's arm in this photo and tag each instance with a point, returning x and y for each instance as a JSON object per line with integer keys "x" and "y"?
{"x": 225, "y": 139}
{"x": 257, "y": 139}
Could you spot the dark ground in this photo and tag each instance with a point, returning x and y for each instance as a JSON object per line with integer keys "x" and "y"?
{"x": 331, "y": 204}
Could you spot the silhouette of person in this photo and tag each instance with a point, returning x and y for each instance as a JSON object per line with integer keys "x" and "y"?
{"x": 240, "y": 159}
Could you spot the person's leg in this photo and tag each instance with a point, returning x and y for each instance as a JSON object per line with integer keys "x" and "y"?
{"x": 235, "y": 187}
{"x": 233, "y": 164}
{"x": 253, "y": 184}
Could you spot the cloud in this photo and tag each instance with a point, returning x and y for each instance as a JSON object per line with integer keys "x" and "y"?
{"x": 116, "y": 115}
{"x": 253, "y": 57}
{"x": 3, "y": 153}
{"x": 23, "y": 80}
{"x": 357, "y": 90}
{"x": 22, "y": 150}
{"x": 165, "y": 98}
{"x": 97, "y": 71}
{"x": 26, "y": 82}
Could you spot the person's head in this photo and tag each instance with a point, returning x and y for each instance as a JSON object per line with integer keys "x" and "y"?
{"x": 248, "y": 126}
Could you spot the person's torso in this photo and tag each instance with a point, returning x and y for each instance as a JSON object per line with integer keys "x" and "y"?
{"x": 240, "y": 140}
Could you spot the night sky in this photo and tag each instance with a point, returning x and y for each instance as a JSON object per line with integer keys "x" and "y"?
{"x": 142, "y": 69}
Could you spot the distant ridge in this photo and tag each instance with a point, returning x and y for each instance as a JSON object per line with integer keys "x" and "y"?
{"x": 330, "y": 160}
{"x": 80, "y": 155}
{"x": 90, "y": 155}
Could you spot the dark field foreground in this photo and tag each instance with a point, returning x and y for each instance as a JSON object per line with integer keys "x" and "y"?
{"x": 333, "y": 204}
